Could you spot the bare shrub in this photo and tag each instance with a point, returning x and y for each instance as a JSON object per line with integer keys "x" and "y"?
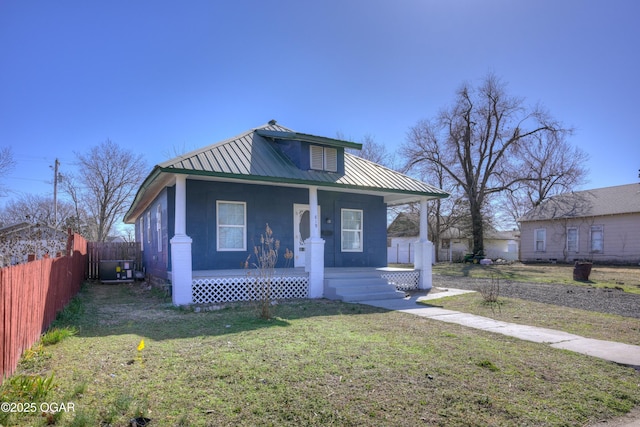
{"x": 490, "y": 293}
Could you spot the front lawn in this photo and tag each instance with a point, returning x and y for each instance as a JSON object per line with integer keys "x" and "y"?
{"x": 316, "y": 363}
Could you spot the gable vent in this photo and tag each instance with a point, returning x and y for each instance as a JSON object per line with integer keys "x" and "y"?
{"x": 330, "y": 159}
{"x": 317, "y": 157}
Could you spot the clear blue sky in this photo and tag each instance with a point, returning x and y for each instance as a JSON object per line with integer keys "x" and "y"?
{"x": 163, "y": 76}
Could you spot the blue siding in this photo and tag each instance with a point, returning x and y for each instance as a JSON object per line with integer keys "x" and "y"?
{"x": 374, "y": 253}
{"x": 265, "y": 204}
{"x": 293, "y": 151}
{"x": 274, "y": 205}
{"x": 298, "y": 153}
{"x": 171, "y": 219}
{"x": 155, "y": 261}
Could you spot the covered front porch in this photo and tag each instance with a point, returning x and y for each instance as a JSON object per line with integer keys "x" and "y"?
{"x": 314, "y": 280}
{"x": 347, "y": 284}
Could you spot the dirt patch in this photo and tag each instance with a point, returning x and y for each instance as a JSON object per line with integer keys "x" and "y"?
{"x": 603, "y": 300}
{"x": 626, "y": 278}
{"x": 128, "y": 302}
{"x": 631, "y": 419}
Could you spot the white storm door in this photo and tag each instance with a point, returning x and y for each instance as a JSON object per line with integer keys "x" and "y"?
{"x": 301, "y": 232}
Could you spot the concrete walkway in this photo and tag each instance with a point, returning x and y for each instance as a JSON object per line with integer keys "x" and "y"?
{"x": 624, "y": 354}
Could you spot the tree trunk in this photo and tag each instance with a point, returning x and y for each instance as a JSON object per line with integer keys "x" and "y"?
{"x": 477, "y": 229}
{"x": 436, "y": 237}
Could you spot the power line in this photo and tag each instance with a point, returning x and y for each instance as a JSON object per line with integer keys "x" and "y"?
{"x": 47, "y": 159}
{"x": 27, "y": 179}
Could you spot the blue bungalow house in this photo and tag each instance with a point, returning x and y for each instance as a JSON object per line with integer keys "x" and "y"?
{"x": 199, "y": 216}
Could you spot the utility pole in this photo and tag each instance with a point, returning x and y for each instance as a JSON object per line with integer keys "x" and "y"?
{"x": 55, "y": 193}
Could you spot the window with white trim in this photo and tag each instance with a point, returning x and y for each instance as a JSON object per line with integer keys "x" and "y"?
{"x": 149, "y": 227}
{"x": 159, "y": 227}
{"x": 597, "y": 238}
{"x": 323, "y": 158}
{"x": 142, "y": 233}
{"x": 351, "y": 230}
{"x": 231, "y": 223}
{"x": 540, "y": 239}
{"x": 572, "y": 239}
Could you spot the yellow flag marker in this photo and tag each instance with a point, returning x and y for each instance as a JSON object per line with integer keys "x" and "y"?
{"x": 141, "y": 345}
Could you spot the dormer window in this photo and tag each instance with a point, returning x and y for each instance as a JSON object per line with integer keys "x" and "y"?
{"x": 323, "y": 158}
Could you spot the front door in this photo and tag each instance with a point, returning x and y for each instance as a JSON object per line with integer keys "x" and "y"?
{"x": 301, "y": 232}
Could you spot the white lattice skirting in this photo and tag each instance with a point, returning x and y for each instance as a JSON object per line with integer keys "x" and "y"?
{"x": 208, "y": 290}
{"x": 403, "y": 280}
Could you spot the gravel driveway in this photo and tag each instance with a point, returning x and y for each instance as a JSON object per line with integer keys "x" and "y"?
{"x": 611, "y": 300}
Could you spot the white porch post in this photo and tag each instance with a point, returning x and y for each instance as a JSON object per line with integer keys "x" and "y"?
{"x": 314, "y": 247}
{"x": 181, "y": 273}
{"x": 424, "y": 249}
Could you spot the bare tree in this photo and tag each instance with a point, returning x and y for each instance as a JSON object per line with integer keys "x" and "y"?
{"x": 6, "y": 163}
{"x": 109, "y": 176}
{"x": 444, "y": 214}
{"x": 376, "y": 152}
{"x": 550, "y": 167}
{"x": 80, "y": 221}
{"x": 372, "y": 151}
{"x": 36, "y": 209}
{"x": 477, "y": 142}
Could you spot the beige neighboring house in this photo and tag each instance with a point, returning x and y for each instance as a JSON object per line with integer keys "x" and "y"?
{"x": 18, "y": 241}
{"x": 599, "y": 225}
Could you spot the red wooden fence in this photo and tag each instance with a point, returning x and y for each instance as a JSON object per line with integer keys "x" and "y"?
{"x": 31, "y": 295}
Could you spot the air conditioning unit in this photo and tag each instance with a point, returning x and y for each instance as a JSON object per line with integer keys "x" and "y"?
{"x": 116, "y": 271}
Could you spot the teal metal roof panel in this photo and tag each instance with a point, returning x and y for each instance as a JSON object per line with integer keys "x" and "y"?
{"x": 297, "y": 136}
{"x": 253, "y": 157}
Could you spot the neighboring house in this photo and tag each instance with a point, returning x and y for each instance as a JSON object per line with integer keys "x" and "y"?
{"x": 19, "y": 241}
{"x": 200, "y": 215}
{"x": 501, "y": 244}
{"x": 600, "y": 225}
{"x": 454, "y": 244}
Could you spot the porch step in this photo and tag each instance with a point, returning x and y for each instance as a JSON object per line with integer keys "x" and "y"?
{"x": 352, "y": 285}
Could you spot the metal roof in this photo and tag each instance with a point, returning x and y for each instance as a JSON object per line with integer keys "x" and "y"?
{"x": 252, "y": 157}
{"x": 297, "y": 136}
{"x": 621, "y": 199}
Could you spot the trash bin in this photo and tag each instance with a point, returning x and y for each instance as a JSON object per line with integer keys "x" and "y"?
{"x": 581, "y": 271}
